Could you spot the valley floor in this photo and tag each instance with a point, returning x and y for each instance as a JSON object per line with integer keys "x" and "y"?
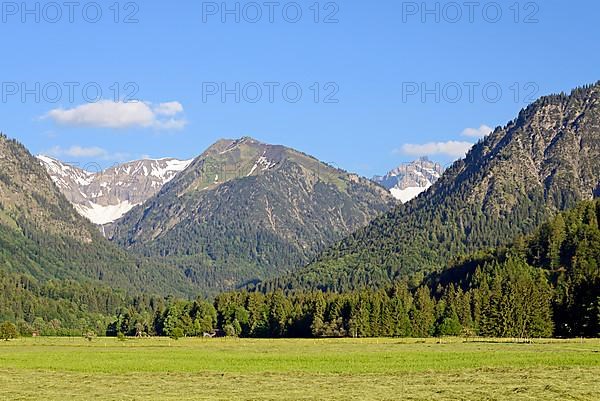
{"x": 346, "y": 369}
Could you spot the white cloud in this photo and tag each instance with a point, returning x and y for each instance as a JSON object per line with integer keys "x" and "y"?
{"x": 172, "y": 124}
{"x": 169, "y": 109}
{"x": 105, "y": 114}
{"x": 109, "y": 114}
{"x": 480, "y": 132}
{"x": 455, "y": 149}
{"x": 450, "y": 148}
{"x": 77, "y": 151}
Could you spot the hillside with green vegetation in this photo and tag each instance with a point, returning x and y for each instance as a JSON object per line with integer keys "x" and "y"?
{"x": 567, "y": 252}
{"x": 245, "y": 211}
{"x": 57, "y": 307}
{"x": 43, "y": 237}
{"x": 513, "y": 180}
{"x": 543, "y": 285}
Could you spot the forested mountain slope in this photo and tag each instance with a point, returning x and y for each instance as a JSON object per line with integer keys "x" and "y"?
{"x": 245, "y": 210}
{"x": 42, "y": 236}
{"x": 544, "y": 161}
{"x": 544, "y": 284}
{"x": 566, "y": 249}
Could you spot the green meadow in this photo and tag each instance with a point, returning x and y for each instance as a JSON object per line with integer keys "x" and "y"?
{"x": 340, "y": 369}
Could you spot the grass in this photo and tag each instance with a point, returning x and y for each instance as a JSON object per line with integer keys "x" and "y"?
{"x": 346, "y": 369}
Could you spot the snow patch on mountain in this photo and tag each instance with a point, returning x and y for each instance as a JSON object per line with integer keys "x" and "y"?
{"x": 262, "y": 162}
{"x": 405, "y": 195}
{"x": 105, "y": 196}
{"x": 171, "y": 168}
{"x": 101, "y": 215}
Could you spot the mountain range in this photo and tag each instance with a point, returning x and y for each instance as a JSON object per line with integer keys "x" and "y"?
{"x": 240, "y": 212}
{"x": 245, "y": 213}
{"x": 244, "y": 210}
{"x": 108, "y": 194}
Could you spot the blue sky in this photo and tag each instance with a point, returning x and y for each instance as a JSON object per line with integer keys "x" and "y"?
{"x": 371, "y": 67}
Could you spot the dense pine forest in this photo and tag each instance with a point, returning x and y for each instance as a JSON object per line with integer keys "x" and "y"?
{"x": 545, "y": 284}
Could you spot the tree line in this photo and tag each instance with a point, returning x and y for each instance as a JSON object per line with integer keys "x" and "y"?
{"x": 546, "y": 284}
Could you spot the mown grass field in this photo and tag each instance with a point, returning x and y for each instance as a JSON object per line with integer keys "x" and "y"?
{"x": 348, "y": 369}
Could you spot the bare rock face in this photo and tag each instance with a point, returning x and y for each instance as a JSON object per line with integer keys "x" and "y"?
{"x": 411, "y": 179}
{"x": 106, "y": 196}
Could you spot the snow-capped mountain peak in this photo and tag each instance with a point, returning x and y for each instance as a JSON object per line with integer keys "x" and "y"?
{"x": 61, "y": 172}
{"x": 106, "y": 195}
{"x": 410, "y": 179}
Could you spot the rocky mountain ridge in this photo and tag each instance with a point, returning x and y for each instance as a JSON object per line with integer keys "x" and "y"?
{"x": 105, "y": 196}
{"x": 409, "y": 180}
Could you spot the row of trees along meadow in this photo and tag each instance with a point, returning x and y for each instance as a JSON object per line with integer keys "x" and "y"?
{"x": 507, "y": 300}
{"x": 544, "y": 284}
